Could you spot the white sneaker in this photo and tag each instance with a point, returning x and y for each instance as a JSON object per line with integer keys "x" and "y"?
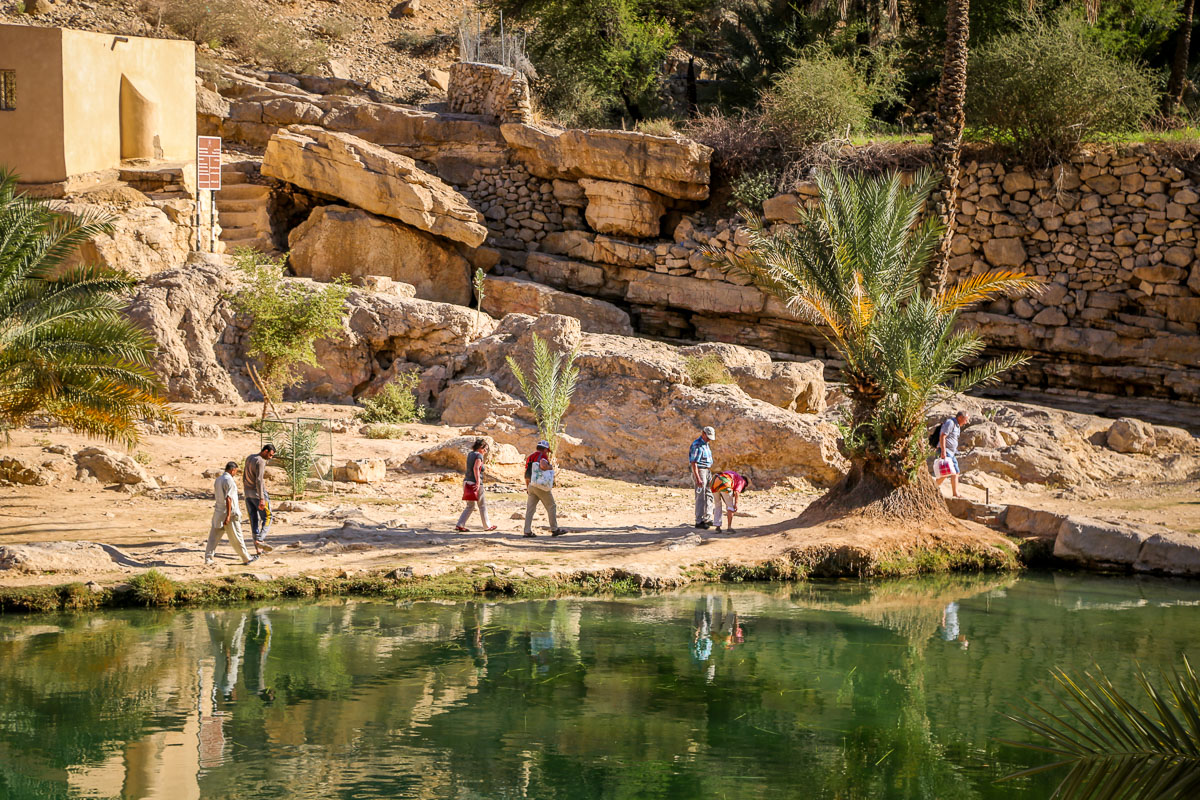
{"x": 208, "y": 562}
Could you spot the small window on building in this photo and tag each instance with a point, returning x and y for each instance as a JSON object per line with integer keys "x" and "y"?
{"x": 8, "y": 89}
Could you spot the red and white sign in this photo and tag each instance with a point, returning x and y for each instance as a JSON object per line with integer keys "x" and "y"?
{"x": 208, "y": 163}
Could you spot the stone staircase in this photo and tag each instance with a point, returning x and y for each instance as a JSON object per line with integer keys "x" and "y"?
{"x": 243, "y": 208}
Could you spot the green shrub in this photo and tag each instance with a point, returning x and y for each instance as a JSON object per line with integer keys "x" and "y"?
{"x": 78, "y": 597}
{"x": 298, "y": 445}
{"x": 396, "y": 403}
{"x": 152, "y": 588}
{"x": 382, "y": 430}
{"x": 337, "y": 27}
{"x": 750, "y": 189}
{"x": 571, "y": 101}
{"x": 278, "y": 47}
{"x": 706, "y": 370}
{"x": 819, "y": 96}
{"x": 287, "y": 318}
{"x": 1051, "y": 85}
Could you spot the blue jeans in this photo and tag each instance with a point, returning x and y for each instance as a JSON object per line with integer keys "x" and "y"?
{"x": 260, "y": 518}
{"x": 951, "y": 457}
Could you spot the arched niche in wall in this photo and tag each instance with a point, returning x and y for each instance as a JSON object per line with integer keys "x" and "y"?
{"x": 139, "y": 123}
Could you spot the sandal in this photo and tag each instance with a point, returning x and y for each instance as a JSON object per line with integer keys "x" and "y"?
{"x": 460, "y": 529}
{"x": 492, "y": 528}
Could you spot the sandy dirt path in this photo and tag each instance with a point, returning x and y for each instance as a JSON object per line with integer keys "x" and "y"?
{"x": 408, "y": 520}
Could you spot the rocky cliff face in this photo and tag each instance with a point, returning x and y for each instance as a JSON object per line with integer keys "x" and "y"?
{"x": 620, "y": 216}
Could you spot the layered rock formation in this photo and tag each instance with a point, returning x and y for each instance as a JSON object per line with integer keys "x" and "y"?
{"x": 367, "y": 176}
{"x": 671, "y": 166}
{"x": 336, "y": 240}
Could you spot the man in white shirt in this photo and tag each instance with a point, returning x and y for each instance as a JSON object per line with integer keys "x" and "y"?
{"x": 227, "y": 516}
{"x": 948, "y": 447}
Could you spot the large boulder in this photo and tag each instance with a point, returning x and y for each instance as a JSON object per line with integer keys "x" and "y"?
{"x": 632, "y": 417}
{"x": 202, "y": 343}
{"x": 186, "y": 312}
{"x": 383, "y": 335}
{"x": 143, "y": 241}
{"x": 48, "y": 557}
{"x": 622, "y": 208}
{"x": 365, "y": 175}
{"x": 794, "y": 385}
{"x": 670, "y": 165}
{"x": 451, "y": 454}
{"x": 110, "y": 467}
{"x": 1098, "y": 543}
{"x": 471, "y": 401}
{"x": 336, "y": 240}
{"x": 504, "y": 295}
{"x": 1036, "y": 445}
{"x": 30, "y": 472}
{"x": 1128, "y": 435}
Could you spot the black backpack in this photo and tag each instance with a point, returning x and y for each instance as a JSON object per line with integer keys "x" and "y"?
{"x": 935, "y": 438}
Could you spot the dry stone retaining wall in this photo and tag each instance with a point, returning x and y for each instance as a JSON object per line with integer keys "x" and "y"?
{"x": 500, "y": 93}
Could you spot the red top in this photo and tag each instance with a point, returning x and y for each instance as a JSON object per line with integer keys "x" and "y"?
{"x": 533, "y": 458}
{"x": 739, "y": 483}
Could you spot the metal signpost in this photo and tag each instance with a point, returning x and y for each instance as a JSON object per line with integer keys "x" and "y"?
{"x": 208, "y": 178}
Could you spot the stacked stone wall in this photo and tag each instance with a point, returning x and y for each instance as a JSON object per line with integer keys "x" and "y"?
{"x": 1112, "y": 234}
{"x": 499, "y": 93}
{"x": 518, "y": 209}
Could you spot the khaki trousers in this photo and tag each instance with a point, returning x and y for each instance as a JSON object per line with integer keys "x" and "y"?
{"x": 234, "y": 531}
{"x": 537, "y": 494}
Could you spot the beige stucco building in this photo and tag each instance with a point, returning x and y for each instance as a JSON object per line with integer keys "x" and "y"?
{"x": 75, "y": 102}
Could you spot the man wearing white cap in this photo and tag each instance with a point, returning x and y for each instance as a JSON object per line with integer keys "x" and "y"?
{"x": 539, "y": 488}
{"x": 701, "y": 459}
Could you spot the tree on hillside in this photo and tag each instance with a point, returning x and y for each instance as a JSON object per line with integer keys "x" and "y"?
{"x": 613, "y": 49}
{"x": 1173, "y": 97}
{"x": 67, "y": 349}
{"x": 287, "y": 319}
{"x": 853, "y": 266}
{"x": 946, "y": 148}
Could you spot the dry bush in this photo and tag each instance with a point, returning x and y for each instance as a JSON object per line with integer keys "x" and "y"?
{"x": 740, "y": 142}
{"x": 335, "y": 28}
{"x": 706, "y": 370}
{"x": 662, "y": 126}
{"x": 240, "y": 26}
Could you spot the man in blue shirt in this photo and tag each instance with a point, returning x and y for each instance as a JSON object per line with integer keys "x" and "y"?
{"x": 701, "y": 460}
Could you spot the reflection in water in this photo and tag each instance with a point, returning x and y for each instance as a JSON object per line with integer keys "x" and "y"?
{"x": 823, "y": 690}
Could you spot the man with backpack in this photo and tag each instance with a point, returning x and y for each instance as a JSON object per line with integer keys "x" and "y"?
{"x": 539, "y": 488}
{"x": 945, "y": 440}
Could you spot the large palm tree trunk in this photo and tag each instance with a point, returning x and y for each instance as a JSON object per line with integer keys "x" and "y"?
{"x": 877, "y": 490}
{"x": 1179, "y": 64}
{"x": 948, "y": 131}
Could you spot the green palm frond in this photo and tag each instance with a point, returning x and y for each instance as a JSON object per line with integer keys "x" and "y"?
{"x": 1112, "y": 749}
{"x": 67, "y": 349}
{"x": 852, "y": 265}
{"x": 549, "y": 390}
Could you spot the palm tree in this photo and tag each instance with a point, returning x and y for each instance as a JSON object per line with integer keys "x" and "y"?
{"x": 1179, "y": 62}
{"x": 946, "y": 147}
{"x": 853, "y": 266}
{"x": 1114, "y": 749}
{"x": 554, "y": 378}
{"x": 66, "y": 347}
